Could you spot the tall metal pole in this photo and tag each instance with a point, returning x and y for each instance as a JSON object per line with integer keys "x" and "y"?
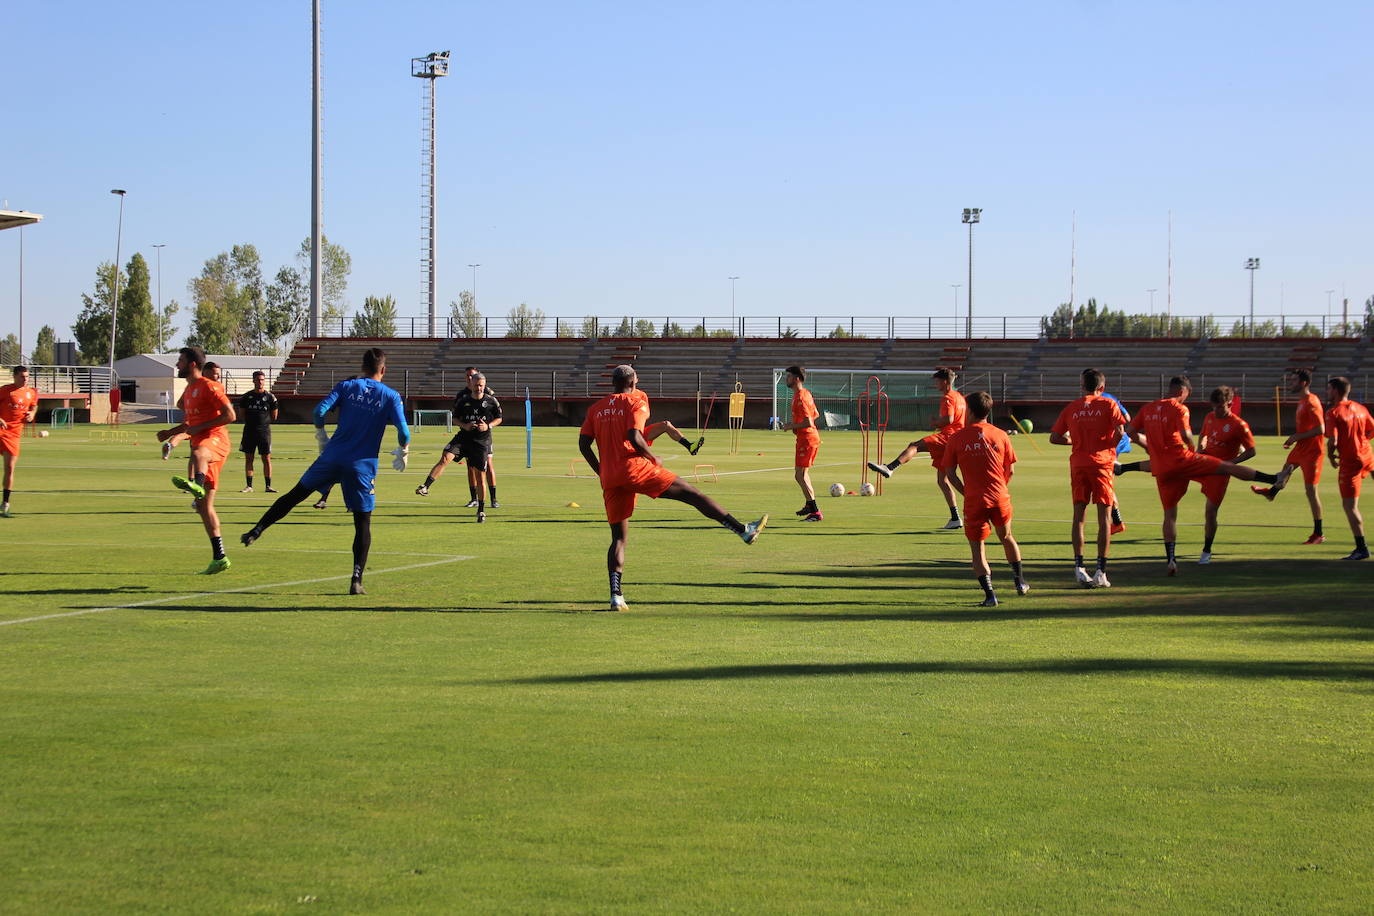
{"x": 114, "y": 303}
{"x": 971, "y": 216}
{"x": 316, "y": 170}
{"x": 1169, "y": 291}
{"x": 733, "y": 328}
{"x": 956, "y": 286}
{"x": 433, "y": 216}
{"x": 1252, "y": 265}
{"x": 474, "y": 283}
{"x": 21, "y": 295}
{"x": 161, "y": 334}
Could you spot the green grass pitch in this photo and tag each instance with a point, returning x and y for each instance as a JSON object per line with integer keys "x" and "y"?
{"x": 821, "y": 722}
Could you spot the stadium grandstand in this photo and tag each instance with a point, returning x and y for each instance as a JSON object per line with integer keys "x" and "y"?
{"x": 1031, "y": 376}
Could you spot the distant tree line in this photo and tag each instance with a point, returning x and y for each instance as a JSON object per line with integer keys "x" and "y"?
{"x": 1092, "y": 320}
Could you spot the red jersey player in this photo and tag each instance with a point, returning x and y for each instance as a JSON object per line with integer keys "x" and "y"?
{"x": 982, "y": 453}
{"x": 1349, "y": 429}
{"x": 615, "y": 424}
{"x": 1306, "y": 450}
{"x": 1093, "y": 425}
{"x": 1163, "y": 428}
{"x": 207, "y": 411}
{"x": 1226, "y": 436}
{"x": 953, "y": 413}
{"x": 808, "y": 445}
{"x": 18, "y": 405}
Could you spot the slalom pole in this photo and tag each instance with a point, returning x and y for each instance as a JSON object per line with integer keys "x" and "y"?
{"x": 529, "y": 431}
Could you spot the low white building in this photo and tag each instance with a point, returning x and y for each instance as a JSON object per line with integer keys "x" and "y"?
{"x": 155, "y": 374}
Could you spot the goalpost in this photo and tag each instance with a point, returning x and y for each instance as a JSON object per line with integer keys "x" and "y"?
{"x": 432, "y": 418}
{"x": 912, "y": 397}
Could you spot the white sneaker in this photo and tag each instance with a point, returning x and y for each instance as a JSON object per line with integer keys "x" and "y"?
{"x": 166, "y": 450}
{"x": 618, "y": 603}
{"x": 1081, "y": 576}
{"x": 752, "y": 530}
{"x": 246, "y": 490}
{"x": 1100, "y": 579}
{"x": 1171, "y": 569}
{"x": 1023, "y": 588}
{"x": 1204, "y": 558}
{"x": 422, "y": 490}
{"x": 322, "y": 504}
{"x": 877, "y": 468}
{"x": 952, "y": 524}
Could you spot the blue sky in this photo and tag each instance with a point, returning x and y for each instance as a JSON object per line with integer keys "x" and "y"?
{"x": 626, "y": 158}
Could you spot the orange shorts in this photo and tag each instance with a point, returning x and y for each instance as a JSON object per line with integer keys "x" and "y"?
{"x": 10, "y": 439}
{"x": 1174, "y": 483}
{"x": 1214, "y": 487}
{"x": 807, "y": 449}
{"x": 935, "y": 445}
{"x": 1349, "y": 480}
{"x": 1311, "y": 466}
{"x": 219, "y": 450}
{"x": 979, "y": 519}
{"x": 1092, "y": 485}
{"x": 620, "y": 500}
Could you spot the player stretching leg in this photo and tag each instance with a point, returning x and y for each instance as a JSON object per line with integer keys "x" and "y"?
{"x": 983, "y": 454}
{"x": 953, "y": 411}
{"x": 1351, "y": 428}
{"x": 626, "y": 467}
{"x": 18, "y": 406}
{"x": 366, "y": 407}
{"x": 1163, "y": 428}
{"x": 207, "y": 412}
{"x": 1306, "y": 450}
{"x": 666, "y": 428}
{"x": 1228, "y": 437}
{"x": 808, "y": 444}
{"x": 1092, "y": 425}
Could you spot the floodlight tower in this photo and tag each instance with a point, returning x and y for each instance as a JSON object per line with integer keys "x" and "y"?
{"x": 971, "y": 217}
{"x": 428, "y": 68}
{"x": 1252, "y": 265}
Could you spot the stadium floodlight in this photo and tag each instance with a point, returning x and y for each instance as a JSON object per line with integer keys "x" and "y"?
{"x": 971, "y": 216}
{"x": 1252, "y": 265}
{"x": 114, "y": 302}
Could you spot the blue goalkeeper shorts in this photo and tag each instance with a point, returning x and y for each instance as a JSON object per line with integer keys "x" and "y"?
{"x": 356, "y": 479}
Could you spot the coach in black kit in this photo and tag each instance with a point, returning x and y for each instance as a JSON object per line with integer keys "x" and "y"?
{"x": 258, "y": 409}
{"x": 476, "y": 411}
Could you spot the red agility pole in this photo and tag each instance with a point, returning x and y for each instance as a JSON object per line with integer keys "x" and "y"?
{"x": 874, "y": 412}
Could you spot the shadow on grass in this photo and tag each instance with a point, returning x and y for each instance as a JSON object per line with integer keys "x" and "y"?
{"x": 1294, "y": 670}
{"x": 114, "y": 590}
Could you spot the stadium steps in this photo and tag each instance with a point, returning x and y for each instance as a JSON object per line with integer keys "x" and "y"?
{"x": 1195, "y": 356}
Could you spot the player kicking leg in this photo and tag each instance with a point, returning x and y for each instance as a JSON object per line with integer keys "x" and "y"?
{"x": 665, "y": 428}
{"x": 953, "y": 413}
{"x": 449, "y": 453}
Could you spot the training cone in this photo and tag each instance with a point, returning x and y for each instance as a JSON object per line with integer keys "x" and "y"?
{"x": 574, "y": 506}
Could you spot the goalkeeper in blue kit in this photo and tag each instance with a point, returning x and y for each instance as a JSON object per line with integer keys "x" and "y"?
{"x": 349, "y": 458}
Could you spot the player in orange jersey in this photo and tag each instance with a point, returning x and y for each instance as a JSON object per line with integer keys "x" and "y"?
{"x": 803, "y": 426}
{"x": 1092, "y": 425}
{"x": 18, "y": 406}
{"x": 615, "y": 425}
{"x": 1163, "y": 428}
{"x": 1226, "y": 436}
{"x": 207, "y": 412}
{"x": 982, "y": 453}
{"x": 953, "y": 413}
{"x": 1349, "y": 429}
{"x": 1306, "y": 450}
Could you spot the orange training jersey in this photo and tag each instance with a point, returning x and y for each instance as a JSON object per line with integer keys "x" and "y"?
{"x": 1164, "y": 422}
{"x": 1091, "y": 423}
{"x": 953, "y": 405}
{"x": 201, "y": 403}
{"x": 1309, "y": 417}
{"x": 609, "y": 421}
{"x": 804, "y": 407}
{"x": 984, "y": 456}
{"x": 15, "y": 403}
{"x": 1226, "y": 437}
{"x": 1350, "y": 424}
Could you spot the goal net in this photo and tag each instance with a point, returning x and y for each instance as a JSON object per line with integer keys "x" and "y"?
{"x": 913, "y": 399}
{"x": 442, "y": 418}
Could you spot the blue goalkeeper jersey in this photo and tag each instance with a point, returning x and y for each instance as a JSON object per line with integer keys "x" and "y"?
{"x": 366, "y": 406}
{"x": 1124, "y": 445}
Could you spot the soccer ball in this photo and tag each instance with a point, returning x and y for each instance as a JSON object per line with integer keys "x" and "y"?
{"x": 867, "y": 490}
{"x": 837, "y": 489}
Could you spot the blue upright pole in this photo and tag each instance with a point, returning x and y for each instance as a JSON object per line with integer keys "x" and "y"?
{"x": 529, "y": 431}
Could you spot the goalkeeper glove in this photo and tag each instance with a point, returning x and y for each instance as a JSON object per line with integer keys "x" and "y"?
{"x": 321, "y": 437}
{"x": 402, "y": 453}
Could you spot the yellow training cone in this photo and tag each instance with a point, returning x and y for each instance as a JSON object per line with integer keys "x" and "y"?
{"x": 574, "y": 506}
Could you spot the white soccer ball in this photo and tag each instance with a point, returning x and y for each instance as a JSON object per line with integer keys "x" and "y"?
{"x": 867, "y": 490}
{"x": 837, "y": 489}
{"x": 42, "y": 434}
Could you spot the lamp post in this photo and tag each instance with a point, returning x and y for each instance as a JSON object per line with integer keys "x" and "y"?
{"x": 20, "y": 357}
{"x": 474, "y": 283}
{"x": 161, "y": 337}
{"x": 971, "y": 216}
{"x": 114, "y": 302}
{"x": 1252, "y": 265}
{"x": 955, "y": 287}
{"x": 733, "y": 329}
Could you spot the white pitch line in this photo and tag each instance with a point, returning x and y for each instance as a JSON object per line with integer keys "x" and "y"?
{"x": 224, "y": 591}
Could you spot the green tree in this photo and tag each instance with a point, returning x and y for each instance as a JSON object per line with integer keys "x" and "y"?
{"x": 136, "y": 331}
{"x": 467, "y": 321}
{"x": 45, "y": 348}
{"x": 9, "y": 351}
{"x": 673, "y": 329}
{"x": 335, "y": 266}
{"x": 592, "y": 329}
{"x": 230, "y": 307}
{"x": 629, "y": 327}
{"x": 286, "y": 308}
{"x": 377, "y": 319}
{"x": 92, "y": 326}
{"x": 524, "y": 321}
